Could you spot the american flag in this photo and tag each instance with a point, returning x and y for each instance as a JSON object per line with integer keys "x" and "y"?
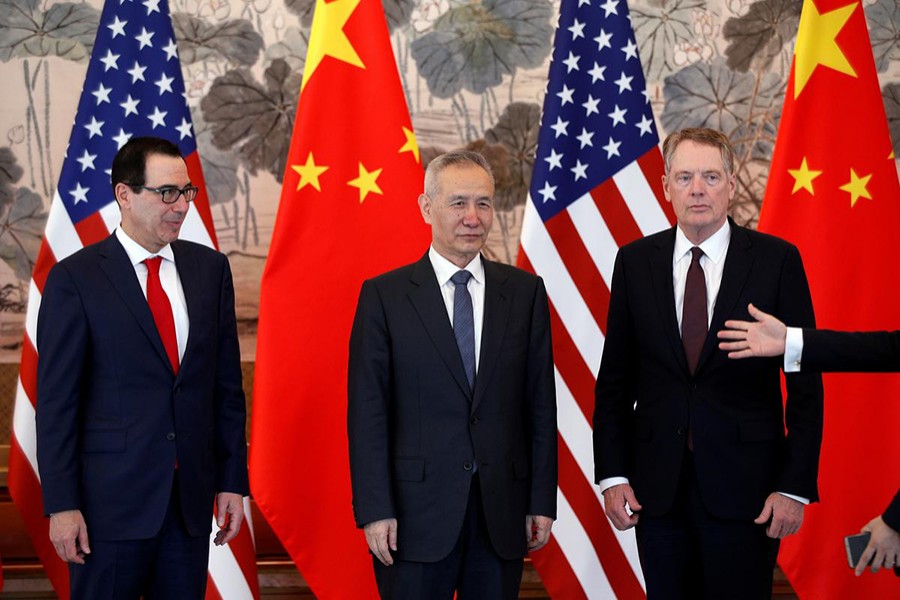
{"x": 596, "y": 186}
{"x": 134, "y": 87}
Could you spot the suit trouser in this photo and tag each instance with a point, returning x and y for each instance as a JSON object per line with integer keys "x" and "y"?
{"x": 172, "y": 565}
{"x": 690, "y": 554}
{"x": 473, "y": 569}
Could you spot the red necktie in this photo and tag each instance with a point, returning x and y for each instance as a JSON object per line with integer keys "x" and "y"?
{"x": 162, "y": 310}
{"x": 694, "y": 323}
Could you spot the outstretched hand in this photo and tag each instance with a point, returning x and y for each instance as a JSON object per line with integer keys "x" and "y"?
{"x": 763, "y": 337}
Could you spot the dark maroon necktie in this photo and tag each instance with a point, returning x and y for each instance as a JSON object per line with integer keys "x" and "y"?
{"x": 694, "y": 324}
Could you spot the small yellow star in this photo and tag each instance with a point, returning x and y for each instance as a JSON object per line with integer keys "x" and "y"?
{"x": 327, "y": 37}
{"x": 816, "y": 43}
{"x": 411, "y": 145}
{"x": 309, "y": 173}
{"x": 857, "y": 187}
{"x": 803, "y": 178}
{"x": 366, "y": 182}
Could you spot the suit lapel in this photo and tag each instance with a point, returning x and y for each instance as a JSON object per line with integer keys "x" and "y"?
{"x": 738, "y": 263}
{"x": 496, "y": 315}
{"x": 428, "y": 302}
{"x": 117, "y": 267}
{"x": 664, "y": 288}
{"x": 192, "y": 282}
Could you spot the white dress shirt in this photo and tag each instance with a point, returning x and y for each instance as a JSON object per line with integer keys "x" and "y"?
{"x": 444, "y": 270}
{"x": 168, "y": 277}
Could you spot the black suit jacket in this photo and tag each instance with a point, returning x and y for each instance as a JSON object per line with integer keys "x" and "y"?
{"x": 850, "y": 351}
{"x": 855, "y": 351}
{"x": 646, "y": 398}
{"x": 415, "y": 429}
{"x": 112, "y": 418}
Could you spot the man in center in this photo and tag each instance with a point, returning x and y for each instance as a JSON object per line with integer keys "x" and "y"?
{"x": 690, "y": 447}
{"x": 452, "y": 406}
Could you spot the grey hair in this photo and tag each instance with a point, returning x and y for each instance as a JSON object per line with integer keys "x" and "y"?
{"x": 453, "y": 159}
{"x": 705, "y": 137}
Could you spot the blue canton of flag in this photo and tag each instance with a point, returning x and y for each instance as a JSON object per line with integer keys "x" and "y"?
{"x": 133, "y": 87}
{"x": 597, "y": 116}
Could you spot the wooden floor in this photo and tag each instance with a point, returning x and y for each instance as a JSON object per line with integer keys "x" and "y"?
{"x": 279, "y": 580}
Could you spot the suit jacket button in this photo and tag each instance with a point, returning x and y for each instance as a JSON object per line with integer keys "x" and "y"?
{"x": 170, "y": 436}
{"x": 473, "y": 420}
{"x": 680, "y": 431}
{"x": 467, "y": 466}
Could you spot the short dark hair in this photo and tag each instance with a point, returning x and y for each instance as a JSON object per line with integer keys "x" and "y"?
{"x": 130, "y": 163}
{"x": 454, "y": 158}
{"x": 705, "y": 137}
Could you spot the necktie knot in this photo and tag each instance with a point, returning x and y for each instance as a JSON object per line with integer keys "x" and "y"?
{"x": 153, "y": 263}
{"x": 461, "y": 277}
{"x": 696, "y": 254}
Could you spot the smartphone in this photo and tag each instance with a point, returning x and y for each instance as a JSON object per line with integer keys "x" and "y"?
{"x": 855, "y": 544}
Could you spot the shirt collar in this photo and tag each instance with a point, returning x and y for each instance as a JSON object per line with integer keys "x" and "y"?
{"x": 444, "y": 269}
{"x": 713, "y": 247}
{"x": 137, "y": 253}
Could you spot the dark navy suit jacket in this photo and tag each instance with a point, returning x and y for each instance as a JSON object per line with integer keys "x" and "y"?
{"x": 113, "y": 418}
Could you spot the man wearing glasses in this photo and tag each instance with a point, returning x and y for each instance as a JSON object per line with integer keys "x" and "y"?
{"x": 140, "y": 412}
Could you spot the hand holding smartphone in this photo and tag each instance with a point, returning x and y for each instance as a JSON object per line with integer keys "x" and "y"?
{"x": 855, "y": 545}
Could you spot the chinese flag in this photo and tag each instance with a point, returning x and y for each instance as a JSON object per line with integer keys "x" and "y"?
{"x": 348, "y": 211}
{"x": 833, "y": 192}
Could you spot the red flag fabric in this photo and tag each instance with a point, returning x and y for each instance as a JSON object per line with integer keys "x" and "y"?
{"x": 133, "y": 87}
{"x": 348, "y": 211}
{"x": 596, "y": 186}
{"x": 833, "y": 191}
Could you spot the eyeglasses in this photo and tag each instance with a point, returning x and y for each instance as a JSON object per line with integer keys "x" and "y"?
{"x": 169, "y": 193}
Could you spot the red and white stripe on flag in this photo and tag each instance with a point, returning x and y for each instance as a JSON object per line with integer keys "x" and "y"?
{"x": 596, "y": 186}
{"x": 134, "y": 87}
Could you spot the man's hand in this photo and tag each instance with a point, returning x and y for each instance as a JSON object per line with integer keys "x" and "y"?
{"x": 765, "y": 337}
{"x": 382, "y": 538}
{"x": 615, "y": 499}
{"x": 69, "y": 536}
{"x": 883, "y": 549}
{"x": 786, "y": 514}
{"x": 229, "y": 514}
{"x": 537, "y": 531}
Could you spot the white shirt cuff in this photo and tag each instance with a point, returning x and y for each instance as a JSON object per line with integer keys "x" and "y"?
{"x": 793, "y": 350}
{"x": 607, "y": 483}
{"x": 799, "y": 499}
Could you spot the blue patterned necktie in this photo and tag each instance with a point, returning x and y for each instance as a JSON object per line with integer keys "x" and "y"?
{"x": 464, "y": 323}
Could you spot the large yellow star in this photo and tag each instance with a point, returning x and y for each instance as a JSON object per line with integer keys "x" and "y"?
{"x": 803, "y": 178}
{"x": 327, "y": 37}
{"x": 309, "y": 173}
{"x": 366, "y": 182}
{"x": 816, "y": 44}
{"x": 857, "y": 187}
{"x": 411, "y": 145}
